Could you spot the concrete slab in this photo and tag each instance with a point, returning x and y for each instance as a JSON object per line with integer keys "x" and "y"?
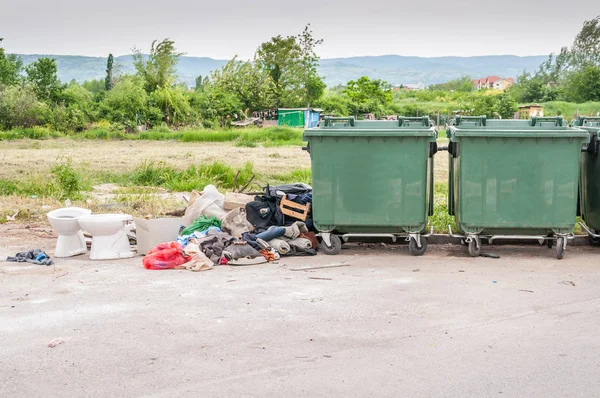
{"x": 387, "y": 324}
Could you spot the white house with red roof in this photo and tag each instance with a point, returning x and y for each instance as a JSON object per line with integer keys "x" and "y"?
{"x": 493, "y": 82}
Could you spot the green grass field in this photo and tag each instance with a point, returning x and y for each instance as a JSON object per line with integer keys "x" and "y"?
{"x": 248, "y": 137}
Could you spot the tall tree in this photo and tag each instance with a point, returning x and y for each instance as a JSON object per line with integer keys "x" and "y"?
{"x": 586, "y": 47}
{"x": 291, "y": 62}
{"x": 10, "y": 68}
{"x": 199, "y": 83}
{"x": 158, "y": 69}
{"x": 314, "y": 86}
{"x": 251, "y": 85}
{"x": 278, "y": 57}
{"x": 42, "y": 76}
{"x": 108, "y": 82}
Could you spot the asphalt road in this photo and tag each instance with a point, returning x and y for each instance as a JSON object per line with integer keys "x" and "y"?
{"x": 382, "y": 324}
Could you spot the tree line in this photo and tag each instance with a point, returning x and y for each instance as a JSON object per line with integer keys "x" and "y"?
{"x": 283, "y": 73}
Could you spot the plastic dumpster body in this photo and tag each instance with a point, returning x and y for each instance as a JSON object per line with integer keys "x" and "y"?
{"x": 372, "y": 179}
{"x": 589, "y": 188}
{"x": 514, "y": 179}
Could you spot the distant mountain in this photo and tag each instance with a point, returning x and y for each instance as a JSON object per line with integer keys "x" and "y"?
{"x": 395, "y": 69}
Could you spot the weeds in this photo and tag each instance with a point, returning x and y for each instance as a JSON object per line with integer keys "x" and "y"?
{"x": 150, "y": 173}
{"x": 250, "y": 137}
{"x": 34, "y": 133}
{"x": 68, "y": 183}
{"x": 441, "y": 219}
{"x": 64, "y": 183}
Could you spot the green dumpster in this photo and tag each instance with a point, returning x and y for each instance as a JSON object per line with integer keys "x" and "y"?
{"x": 514, "y": 179}
{"x": 372, "y": 179}
{"x": 589, "y": 184}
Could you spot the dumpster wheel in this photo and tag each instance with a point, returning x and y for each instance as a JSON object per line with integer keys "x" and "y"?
{"x": 333, "y": 248}
{"x": 414, "y": 249}
{"x": 560, "y": 247}
{"x": 593, "y": 241}
{"x": 474, "y": 249}
{"x": 549, "y": 242}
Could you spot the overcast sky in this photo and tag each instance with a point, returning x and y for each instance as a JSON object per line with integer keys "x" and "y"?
{"x": 221, "y": 29}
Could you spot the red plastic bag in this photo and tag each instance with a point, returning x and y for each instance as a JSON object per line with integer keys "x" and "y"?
{"x": 165, "y": 256}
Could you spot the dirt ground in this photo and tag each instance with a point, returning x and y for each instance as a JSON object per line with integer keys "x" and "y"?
{"x": 27, "y": 157}
{"x": 382, "y": 323}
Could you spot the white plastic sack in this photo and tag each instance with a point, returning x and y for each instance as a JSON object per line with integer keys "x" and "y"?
{"x": 210, "y": 204}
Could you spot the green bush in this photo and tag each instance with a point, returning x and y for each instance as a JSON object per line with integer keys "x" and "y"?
{"x": 68, "y": 183}
{"x": 8, "y": 187}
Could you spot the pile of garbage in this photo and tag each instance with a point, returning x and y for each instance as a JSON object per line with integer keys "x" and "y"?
{"x": 261, "y": 228}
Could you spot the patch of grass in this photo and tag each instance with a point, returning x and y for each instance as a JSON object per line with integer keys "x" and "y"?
{"x": 153, "y": 135}
{"x": 298, "y": 175}
{"x": 104, "y": 134}
{"x": 196, "y": 176}
{"x": 210, "y": 136}
{"x": 65, "y": 182}
{"x": 441, "y": 219}
{"x": 245, "y": 143}
{"x": 249, "y": 137}
{"x": 34, "y": 133}
{"x": 8, "y": 187}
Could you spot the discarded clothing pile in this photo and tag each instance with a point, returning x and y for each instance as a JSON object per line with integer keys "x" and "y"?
{"x": 275, "y": 230}
{"x": 293, "y": 240}
{"x": 206, "y": 240}
{"x": 36, "y": 256}
{"x": 259, "y": 229}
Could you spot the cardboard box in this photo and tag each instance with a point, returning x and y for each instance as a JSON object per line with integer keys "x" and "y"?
{"x": 150, "y": 233}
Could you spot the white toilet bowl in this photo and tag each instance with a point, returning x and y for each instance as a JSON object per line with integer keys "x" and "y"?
{"x": 70, "y": 237}
{"x": 109, "y": 239}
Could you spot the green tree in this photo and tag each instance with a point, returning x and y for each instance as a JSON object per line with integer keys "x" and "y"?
{"x": 368, "y": 96}
{"x": 584, "y": 85}
{"x": 252, "y": 86}
{"x": 199, "y": 83}
{"x": 41, "y": 74}
{"x": 479, "y": 104}
{"x": 216, "y": 107}
{"x": 96, "y": 86}
{"x": 586, "y": 47}
{"x": 126, "y": 103}
{"x": 80, "y": 104}
{"x": 291, "y": 62}
{"x": 279, "y": 58}
{"x": 173, "y": 103}
{"x": 506, "y": 106}
{"x": 10, "y": 68}
{"x": 158, "y": 69}
{"x": 19, "y": 107}
{"x": 108, "y": 81}
{"x": 312, "y": 86}
{"x": 462, "y": 84}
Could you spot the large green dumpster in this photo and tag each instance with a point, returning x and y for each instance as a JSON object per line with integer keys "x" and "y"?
{"x": 589, "y": 188}
{"x": 372, "y": 179}
{"x": 514, "y": 179}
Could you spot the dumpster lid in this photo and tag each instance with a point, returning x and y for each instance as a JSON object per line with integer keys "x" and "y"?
{"x": 349, "y": 126}
{"x": 586, "y": 121}
{"x": 478, "y": 126}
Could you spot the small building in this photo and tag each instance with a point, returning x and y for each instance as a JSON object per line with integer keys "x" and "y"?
{"x": 528, "y": 111}
{"x": 298, "y": 117}
{"x": 493, "y": 82}
{"x": 503, "y": 84}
